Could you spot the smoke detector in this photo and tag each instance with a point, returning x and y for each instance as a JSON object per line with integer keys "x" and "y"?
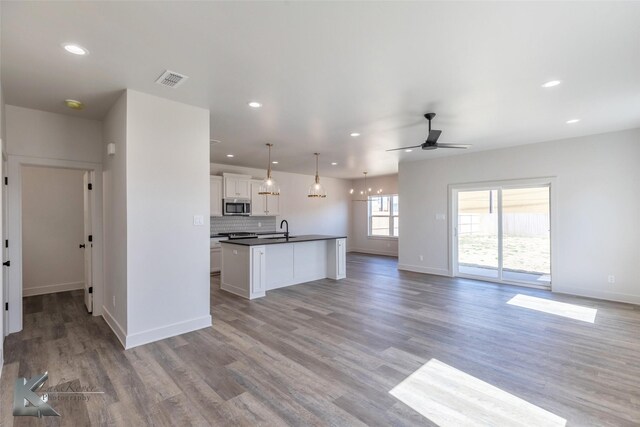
{"x": 171, "y": 79}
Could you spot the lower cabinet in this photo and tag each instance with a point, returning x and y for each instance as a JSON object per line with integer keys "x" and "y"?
{"x": 258, "y": 279}
{"x": 337, "y": 259}
{"x": 216, "y": 260}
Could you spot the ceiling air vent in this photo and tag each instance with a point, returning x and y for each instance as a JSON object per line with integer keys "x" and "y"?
{"x": 171, "y": 79}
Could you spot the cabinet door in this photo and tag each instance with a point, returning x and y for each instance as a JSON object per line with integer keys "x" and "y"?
{"x": 216, "y": 260}
{"x": 342, "y": 258}
{"x": 215, "y": 196}
{"x": 258, "y": 206}
{"x": 257, "y": 272}
{"x": 243, "y": 188}
{"x": 273, "y": 205}
{"x": 230, "y": 187}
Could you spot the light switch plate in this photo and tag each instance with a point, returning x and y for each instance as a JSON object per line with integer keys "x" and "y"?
{"x": 198, "y": 220}
{"x": 441, "y": 217}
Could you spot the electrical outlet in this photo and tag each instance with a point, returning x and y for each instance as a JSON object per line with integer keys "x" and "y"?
{"x": 611, "y": 278}
{"x": 198, "y": 220}
{"x": 259, "y": 224}
{"x": 421, "y": 258}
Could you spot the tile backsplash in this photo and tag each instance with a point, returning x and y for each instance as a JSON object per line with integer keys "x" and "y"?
{"x": 226, "y": 224}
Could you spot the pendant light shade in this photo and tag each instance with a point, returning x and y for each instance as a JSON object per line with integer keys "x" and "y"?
{"x": 316, "y": 189}
{"x": 269, "y": 186}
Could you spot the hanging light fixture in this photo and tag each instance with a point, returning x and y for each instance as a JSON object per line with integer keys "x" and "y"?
{"x": 363, "y": 194}
{"x": 269, "y": 186}
{"x": 316, "y": 189}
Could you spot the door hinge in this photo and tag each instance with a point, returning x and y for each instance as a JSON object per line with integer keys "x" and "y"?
{"x": 90, "y": 186}
{"x": 6, "y": 306}
{"x": 6, "y": 180}
{"x": 6, "y": 243}
{"x": 7, "y": 263}
{"x": 90, "y": 238}
{"x": 90, "y": 289}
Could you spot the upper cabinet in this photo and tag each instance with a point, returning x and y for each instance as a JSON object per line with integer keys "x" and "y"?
{"x": 262, "y": 205}
{"x": 215, "y": 198}
{"x": 237, "y": 186}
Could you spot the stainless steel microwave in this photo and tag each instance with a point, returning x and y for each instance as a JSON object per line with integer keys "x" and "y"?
{"x": 236, "y": 207}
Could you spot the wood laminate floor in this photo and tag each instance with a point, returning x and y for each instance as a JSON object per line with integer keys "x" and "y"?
{"x": 329, "y": 353}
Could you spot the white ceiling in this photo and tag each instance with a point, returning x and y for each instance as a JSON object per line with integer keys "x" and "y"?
{"x": 326, "y": 69}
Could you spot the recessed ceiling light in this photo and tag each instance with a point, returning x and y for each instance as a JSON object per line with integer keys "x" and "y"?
{"x": 229, "y": 155}
{"x": 275, "y": 162}
{"x": 75, "y": 49}
{"x": 551, "y": 83}
{"x": 572, "y": 121}
{"x": 354, "y": 134}
{"x": 73, "y": 104}
{"x": 333, "y": 163}
{"x": 255, "y": 104}
{"x": 408, "y": 150}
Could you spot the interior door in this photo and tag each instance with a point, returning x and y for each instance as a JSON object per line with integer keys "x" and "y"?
{"x": 4, "y": 328}
{"x": 88, "y": 243}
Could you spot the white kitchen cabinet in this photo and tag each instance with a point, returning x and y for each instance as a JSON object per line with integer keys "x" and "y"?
{"x": 337, "y": 254}
{"x": 215, "y": 198}
{"x": 262, "y": 205}
{"x": 216, "y": 260}
{"x": 237, "y": 186}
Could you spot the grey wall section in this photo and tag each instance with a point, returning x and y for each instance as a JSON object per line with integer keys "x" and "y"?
{"x": 47, "y": 135}
{"x": 597, "y": 189}
{"x": 115, "y": 216}
{"x": 52, "y": 229}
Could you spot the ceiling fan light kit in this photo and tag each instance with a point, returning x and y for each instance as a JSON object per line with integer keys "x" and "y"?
{"x": 317, "y": 190}
{"x": 432, "y": 139}
{"x": 269, "y": 186}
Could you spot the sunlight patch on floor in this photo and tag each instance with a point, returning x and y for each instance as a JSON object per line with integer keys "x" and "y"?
{"x": 571, "y": 311}
{"x": 450, "y": 397}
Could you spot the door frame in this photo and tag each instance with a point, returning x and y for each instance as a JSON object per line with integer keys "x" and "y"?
{"x": 14, "y": 224}
{"x": 492, "y": 185}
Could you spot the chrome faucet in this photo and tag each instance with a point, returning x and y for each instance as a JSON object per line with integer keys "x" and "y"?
{"x": 286, "y": 233}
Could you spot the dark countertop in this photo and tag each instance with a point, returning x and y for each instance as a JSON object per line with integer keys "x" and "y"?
{"x": 258, "y": 233}
{"x": 295, "y": 239}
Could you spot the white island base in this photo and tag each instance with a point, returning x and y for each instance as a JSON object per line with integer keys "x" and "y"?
{"x": 250, "y": 269}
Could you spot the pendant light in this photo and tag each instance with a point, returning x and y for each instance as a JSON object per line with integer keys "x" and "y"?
{"x": 316, "y": 189}
{"x": 269, "y": 186}
{"x": 363, "y": 194}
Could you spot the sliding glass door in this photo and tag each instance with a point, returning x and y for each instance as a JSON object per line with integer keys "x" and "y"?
{"x": 502, "y": 233}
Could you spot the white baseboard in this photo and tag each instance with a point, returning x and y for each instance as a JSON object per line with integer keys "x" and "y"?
{"x": 604, "y": 295}
{"x": 234, "y": 290}
{"x": 156, "y": 334}
{"x": 425, "y": 270}
{"x": 374, "y": 252}
{"x": 50, "y": 289}
{"x": 115, "y": 326}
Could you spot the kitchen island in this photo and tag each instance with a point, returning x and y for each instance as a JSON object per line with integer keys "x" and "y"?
{"x": 250, "y": 267}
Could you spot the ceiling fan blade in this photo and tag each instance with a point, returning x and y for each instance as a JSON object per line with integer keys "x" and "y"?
{"x": 454, "y": 146}
{"x": 405, "y": 148}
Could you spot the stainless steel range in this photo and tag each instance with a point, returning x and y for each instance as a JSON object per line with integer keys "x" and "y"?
{"x": 240, "y": 235}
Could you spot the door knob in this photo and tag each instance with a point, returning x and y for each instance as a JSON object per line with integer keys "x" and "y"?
{"x": 7, "y": 263}
{"x": 82, "y": 246}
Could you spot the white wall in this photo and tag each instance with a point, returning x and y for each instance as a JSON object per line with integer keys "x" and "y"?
{"x": 597, "y": 188}
{"x": 167, "y": 177}
{"x": 360, "y": 241}
{"x": 52, "y": 229}
{"x": 115, "y": 217}
{"x": 305, "y": 215}
{"x": 47, "y": 135}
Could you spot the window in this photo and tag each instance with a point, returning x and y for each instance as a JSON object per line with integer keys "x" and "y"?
{"x": 383, "y": 216}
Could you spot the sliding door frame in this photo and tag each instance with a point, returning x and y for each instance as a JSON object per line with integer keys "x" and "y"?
{"x": 453, "y": 190}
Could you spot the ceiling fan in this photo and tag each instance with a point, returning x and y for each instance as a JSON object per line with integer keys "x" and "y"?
{"x": 432, "y": 139}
